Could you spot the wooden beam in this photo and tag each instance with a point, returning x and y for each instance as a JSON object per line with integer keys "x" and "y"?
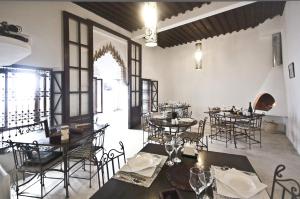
{"x": 194, "y": 15}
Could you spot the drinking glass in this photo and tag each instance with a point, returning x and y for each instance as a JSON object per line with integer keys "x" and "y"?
{"x": 197, "y": 181}
{"x": 169, "y": 146}
{"x": 208, "y": 180}
{"x": 177, "y": 145}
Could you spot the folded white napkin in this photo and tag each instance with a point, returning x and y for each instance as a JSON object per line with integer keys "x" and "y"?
{"x": 236, "y": 184}
{"x": 186, "y": 120}
{"x": 143, "y": 164}
{"x": 159, "y": 117}
{"x": 189, "y": 149}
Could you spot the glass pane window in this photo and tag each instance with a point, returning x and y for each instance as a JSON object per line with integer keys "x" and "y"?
{"x": 83, "y": 34}
{"x": 73, "y": 30}
{"x": 84, "y": 104}
{"x": 2, "y": 99}
{"x": 74, "y": 104}
{"x": 27, "y": 94}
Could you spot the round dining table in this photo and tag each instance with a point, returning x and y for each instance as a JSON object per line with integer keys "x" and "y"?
{"x": 182, "y": 125}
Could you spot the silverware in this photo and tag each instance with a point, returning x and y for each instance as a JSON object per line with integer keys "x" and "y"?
{"x": 132, "y": 175}
{"x": 128, "y": 178}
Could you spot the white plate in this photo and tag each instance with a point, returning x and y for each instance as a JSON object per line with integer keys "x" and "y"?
{"x": 141, "y": 162}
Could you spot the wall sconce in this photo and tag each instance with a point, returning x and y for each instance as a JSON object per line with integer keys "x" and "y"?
{"x": 198, "y": 56}
{"x": 150, "y": 20}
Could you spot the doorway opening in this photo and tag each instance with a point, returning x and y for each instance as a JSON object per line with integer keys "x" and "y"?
{"x": 113, "y": 91}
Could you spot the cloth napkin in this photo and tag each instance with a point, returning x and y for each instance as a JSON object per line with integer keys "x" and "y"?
{"x": 186, "y": 120}
{"x": 144, "y": 164}
{"x": 189, "y": 149}
{"x": 232, "y": 190}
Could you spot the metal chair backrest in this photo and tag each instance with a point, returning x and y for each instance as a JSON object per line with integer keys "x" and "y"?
{"x": 201, "y": 126}
{"x": 111, "y": 162}
{"x": 145, "y": 121}
{"x": 25, "y": 154}
{"x": 290, "y": 188}
{"x": 99, "y": 137}
{"x": 212, "y": 117}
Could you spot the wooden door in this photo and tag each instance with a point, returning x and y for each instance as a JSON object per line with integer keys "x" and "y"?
{"x": 154, "y": 96}
{"x": 78, "y": 69}
{"x": 135, "y": 86}
{"x": 56, "y": 97}
{"x": 146, "y": 95}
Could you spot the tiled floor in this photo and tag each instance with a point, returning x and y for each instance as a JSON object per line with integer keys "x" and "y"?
{"x": 276, "y": 149}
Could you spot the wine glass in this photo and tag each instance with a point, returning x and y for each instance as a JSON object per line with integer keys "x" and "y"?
{"x": 169, "y": 146}
{"x": 208, "y": 180}
{"x": 197, "y": 180}
{"x": 177, "y": 145}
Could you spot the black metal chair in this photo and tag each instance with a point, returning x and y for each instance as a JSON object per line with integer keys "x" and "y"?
{"x": 197, "y": 137}
{"x": 223, "y": 128}
{"x": 93, "y": 145}
{"x": 110, "y": 163}
{"x": 246, "y": 130}
{"x": 31, "y": 160}
{"x": 212, "y": 123}
{"x": 145, "y": 126}
{"x": 290, "y": 188}
{"x": 156, "y": 134}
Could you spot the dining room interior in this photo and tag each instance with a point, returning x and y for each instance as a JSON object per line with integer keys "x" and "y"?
{"x": 158, "y": 99}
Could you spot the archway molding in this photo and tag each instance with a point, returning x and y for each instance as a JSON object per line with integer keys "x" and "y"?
{"x": 109, "y": 48}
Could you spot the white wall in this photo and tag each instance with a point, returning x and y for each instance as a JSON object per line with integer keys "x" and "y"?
{"x": 291, "y": 44}
{"x": 43, "y": 22}
{"x": 154, "y": 68}
{"x": 236, "y": 68}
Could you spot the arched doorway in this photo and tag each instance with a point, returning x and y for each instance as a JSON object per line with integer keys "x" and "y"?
{"x": 109, "y": 67}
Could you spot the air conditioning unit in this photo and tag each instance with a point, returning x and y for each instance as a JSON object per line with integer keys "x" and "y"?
{"x": 14, "y": 46}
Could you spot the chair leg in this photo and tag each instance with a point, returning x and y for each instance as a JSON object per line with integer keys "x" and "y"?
{"x": 260, "y": 138}
{"x": 249, "y": 139}
{"x": 226, "y": 138}
{"x": 210, "y": 134}
{"x": 17, "y": 185}
{"x": 90, "y": 174}
{"x": 98, "y": 176}
{"x": 83, "y": 166}
{"x": 41, "y": 182}
{"x": 234, "y": 139}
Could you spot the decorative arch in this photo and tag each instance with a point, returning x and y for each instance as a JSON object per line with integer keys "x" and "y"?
{"x": 115, "y": 54}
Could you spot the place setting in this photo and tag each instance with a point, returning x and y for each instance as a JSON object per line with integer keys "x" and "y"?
{"x": 141, "y": 169}
{"x": 233, "y": 183}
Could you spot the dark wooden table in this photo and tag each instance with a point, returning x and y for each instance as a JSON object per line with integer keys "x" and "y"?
{"x": 115, "y": 189}
{"x": 74, "y": 140}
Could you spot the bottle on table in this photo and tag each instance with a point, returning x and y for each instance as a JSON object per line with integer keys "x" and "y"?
{"x": 250, "y": 109}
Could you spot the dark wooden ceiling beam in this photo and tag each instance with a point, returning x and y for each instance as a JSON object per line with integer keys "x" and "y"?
{"x": 202, "y": 29}
{"x": 197, "y": 30}
{"x": 204, "y": 24}
{"x": 124, "y": 21}
{"x": 128, "y": 16}
{"x": 173, "y": 37}
{"x": 220, "y": 22}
